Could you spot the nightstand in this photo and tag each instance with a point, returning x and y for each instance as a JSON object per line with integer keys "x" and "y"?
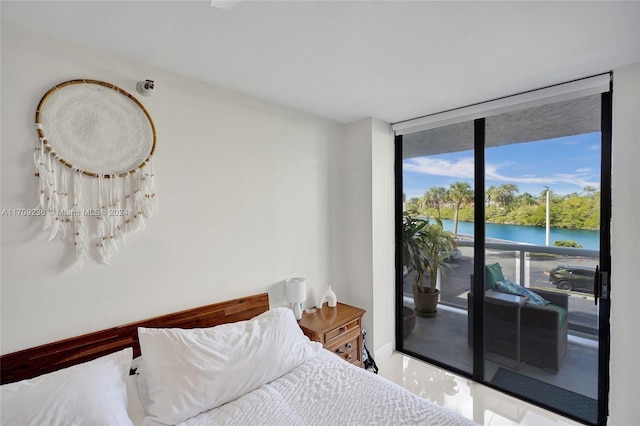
{"x": 339, "y": 329}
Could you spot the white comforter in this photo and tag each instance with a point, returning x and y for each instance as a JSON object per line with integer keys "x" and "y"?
{"x": 327, "y": 390}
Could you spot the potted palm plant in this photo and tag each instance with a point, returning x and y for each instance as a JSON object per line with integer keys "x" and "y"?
{"x": 425, "y": 247}
{"x": 413, "y": 262}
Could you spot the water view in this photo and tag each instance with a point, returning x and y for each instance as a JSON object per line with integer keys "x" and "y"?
{"x": 530, "y": 234}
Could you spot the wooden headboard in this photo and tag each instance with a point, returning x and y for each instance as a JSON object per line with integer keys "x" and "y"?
{"x": 46, "y": 358}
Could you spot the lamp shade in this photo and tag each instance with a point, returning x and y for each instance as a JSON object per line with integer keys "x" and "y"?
{"x": 296, "y": 290}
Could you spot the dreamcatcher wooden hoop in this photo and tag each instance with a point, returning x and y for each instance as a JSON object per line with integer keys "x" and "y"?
{"x": 98, "y": 130}
{"x": 126, "y": 98}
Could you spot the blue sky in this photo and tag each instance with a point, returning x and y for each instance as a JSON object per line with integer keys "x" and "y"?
{"x": 565, "y": 165}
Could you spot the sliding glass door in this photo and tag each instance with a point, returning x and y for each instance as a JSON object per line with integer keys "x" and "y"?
{"x": 438, "y": 178}
{"x": 542, "y": 246}
{"x": 525, "y": 197}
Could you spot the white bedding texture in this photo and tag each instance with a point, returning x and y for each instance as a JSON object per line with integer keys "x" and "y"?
{"x": 326, "y": 390}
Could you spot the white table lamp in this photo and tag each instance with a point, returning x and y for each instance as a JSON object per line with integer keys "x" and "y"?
{"x": 297, "y": 294}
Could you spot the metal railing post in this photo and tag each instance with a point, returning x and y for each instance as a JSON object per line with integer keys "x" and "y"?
{"x": 524, "y": 279}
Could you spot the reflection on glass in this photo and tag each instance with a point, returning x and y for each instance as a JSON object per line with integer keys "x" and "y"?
{"x": 542, "y": 208}
{"x": 438, "y": 176}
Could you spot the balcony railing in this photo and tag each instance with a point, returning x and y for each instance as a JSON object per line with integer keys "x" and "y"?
{"x": 528, "y": 265}
{"x": 522, "y": 249}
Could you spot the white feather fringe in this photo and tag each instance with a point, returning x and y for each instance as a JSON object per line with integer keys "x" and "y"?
{"x": 80, "y": 239}
{"x": 121, "y": 206}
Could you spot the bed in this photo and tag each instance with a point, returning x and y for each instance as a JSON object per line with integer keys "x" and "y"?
{"x": 236, "y": 362}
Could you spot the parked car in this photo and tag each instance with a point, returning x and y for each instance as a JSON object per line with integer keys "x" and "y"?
{"x": 567, "y": 277}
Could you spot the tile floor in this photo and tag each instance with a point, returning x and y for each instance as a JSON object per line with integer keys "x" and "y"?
{"x": 484, "y": 405}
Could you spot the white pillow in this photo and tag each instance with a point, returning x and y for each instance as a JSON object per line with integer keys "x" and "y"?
{"x": 91, "y": 393}
{"x": 191, "y": 371}
{"x": 135, "y": 409}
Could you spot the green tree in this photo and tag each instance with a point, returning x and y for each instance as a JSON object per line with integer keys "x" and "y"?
{"x": 460, "y": 193}
{"x": 434, "y": 198}
{"x": 579, "y": 212}
{"x": 491, "y": 193}
{"x": 413, "y": 204}
{"x": 505, "y": 194}
{"x": 567, "y": 243}
{"x": 572, "y": 211}
{"x": 525, "y": 200}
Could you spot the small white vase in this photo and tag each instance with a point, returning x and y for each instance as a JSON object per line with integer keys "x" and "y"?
{"x": 331, "y": 298}
{"x": 297, "y": 310}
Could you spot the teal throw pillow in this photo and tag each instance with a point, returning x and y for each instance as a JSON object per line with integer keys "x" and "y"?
{"x": 507, "y": 286}
{"x": 492, "y": 274}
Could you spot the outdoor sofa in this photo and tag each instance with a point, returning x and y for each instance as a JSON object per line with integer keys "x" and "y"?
{"x": 542, "y": 328}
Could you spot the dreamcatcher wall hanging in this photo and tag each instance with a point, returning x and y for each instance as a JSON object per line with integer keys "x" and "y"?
{"x": 93, "y": 131}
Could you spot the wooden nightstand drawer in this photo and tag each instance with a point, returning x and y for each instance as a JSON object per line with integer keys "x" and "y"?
{"x": 339, "y": 331}
{"x": 349, "y": 349}
{"x": 351, "y": 357}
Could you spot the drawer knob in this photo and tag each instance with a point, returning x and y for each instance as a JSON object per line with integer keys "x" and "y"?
{"x": 349, "y": 346}
{"x": 343, "y": 329}
{"x": 339, "y": 351}
{"x": 350, "y": 358}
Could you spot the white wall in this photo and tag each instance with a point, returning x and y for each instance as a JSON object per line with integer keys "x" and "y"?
{"x": 625, "y": 251}
{"x": 243, "y": 191}
{"x": 364, "y": 242}
{"x": 353, "y": 219}
{"x": 383, "y": 230}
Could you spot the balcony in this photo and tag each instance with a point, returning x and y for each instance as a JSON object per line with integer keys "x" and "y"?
{"x": 443, "y": 338}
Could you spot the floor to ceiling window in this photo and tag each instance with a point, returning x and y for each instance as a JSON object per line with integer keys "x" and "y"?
{"x": 438, "y": 176}
{"x": 503, "y": 218}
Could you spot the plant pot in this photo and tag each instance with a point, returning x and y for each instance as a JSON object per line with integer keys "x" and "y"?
{"x": 426, "y": 303}
{"x": 408, "y": 321}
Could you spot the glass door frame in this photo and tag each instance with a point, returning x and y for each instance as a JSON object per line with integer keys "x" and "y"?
{"x": 602, "y": 286}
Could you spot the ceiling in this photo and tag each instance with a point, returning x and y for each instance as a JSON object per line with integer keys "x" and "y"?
{"x": 347, "y": 60}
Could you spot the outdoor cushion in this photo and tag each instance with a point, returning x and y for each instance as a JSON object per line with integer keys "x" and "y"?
{"x": 508, "y": 286}
{"x": 562, "y": 313}
{"x": 492, "y": 274}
